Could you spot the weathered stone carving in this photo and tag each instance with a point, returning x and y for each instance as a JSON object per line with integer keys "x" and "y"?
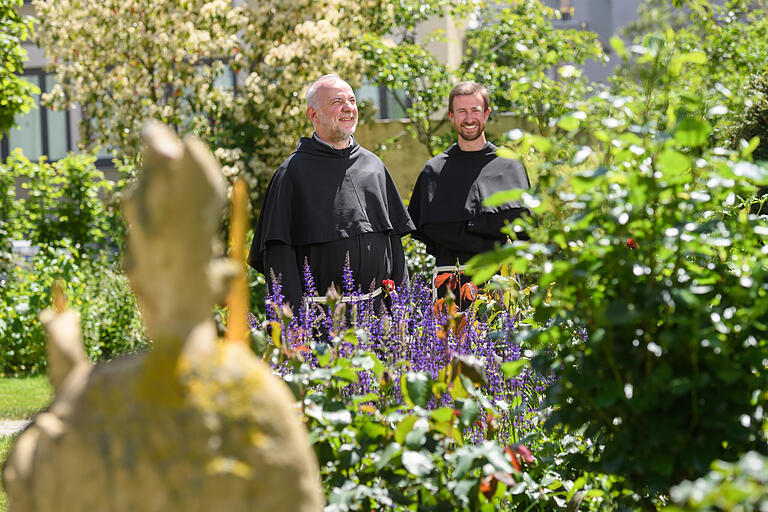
{"x": 196, "y": 424}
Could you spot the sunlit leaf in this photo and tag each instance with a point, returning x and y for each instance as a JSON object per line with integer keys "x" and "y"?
{"x": 512, "y": 369}
{"x": 504, "y": 197}
{"x": 618, "y": 45}
{"x": 673, "y": 162}
{"x": 541, "y": 144}
{"x": 418, "y": 388}
{"x": 417, "y": 463}
{"x": 568, "y": 123}
{"x": 693, "y": 132}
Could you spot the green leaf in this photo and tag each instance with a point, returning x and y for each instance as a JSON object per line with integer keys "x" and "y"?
{"x": 416, "y": 438}
{"x": 465, "y": 461}
{"x": 469, "y": 411}
{"x": 405, "y": 426}
{"x": 693, "y": 132}
{"x": 457, "y": 389}
{"x": 677, "y": 61}
{"x": 345, "y": 374}
{"x": 386, "y": 456}
{"x": 541, "y": 144}
{"x": 673, "y": 162}
{"x": 505, "y": 152}
{"x": 568, "y": 123}
{"x": 442, "y": 414}
{"x": 471, "y": 367}
{"x": 512, "y": 369}
{"x": 416, "y": 388}
{"x": 504, "y": 197}
{"x": 323, "y": 353}
{"x": 416, "y": 463}
{"x": 350, "y": 336}
{"x": 618, "y": 45}
{"x": 750, "y": 147}
{"x": 449, "y": 430}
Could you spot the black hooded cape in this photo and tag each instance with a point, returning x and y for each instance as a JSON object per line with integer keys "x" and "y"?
{"x": 323, "y": 203}
{"x": 447, "y": 202}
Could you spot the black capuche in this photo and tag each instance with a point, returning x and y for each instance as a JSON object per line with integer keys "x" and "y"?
{"x": 321, "y": 205}
{"x": 447, "y": 202}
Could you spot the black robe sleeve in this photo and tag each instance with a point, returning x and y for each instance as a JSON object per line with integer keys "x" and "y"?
{"x": 279, "y": 260}
{"x": 399, "y": 266}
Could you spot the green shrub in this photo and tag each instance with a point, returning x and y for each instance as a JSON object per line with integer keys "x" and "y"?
{"x": 67, "y": 213}
{"x": 111, "y": 323}
{"x": 65, "y": 200}
{"x": 736, "y": 486}
{"x": 652, "y": 297}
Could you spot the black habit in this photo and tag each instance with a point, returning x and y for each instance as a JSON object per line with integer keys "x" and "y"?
{"x": 323, "y": 205}
{"x": 447, "y": 202}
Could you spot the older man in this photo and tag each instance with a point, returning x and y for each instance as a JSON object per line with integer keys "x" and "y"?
{"x": 330, "y": 202}
{"x": 447, "y": 201}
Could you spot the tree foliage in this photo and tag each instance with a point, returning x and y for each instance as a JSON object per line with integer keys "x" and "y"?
{"x": 126, "y": 61}
{"x": 649, "y": 248}
{"x": 529, "y": 67}
{"x": 15, "y": 92}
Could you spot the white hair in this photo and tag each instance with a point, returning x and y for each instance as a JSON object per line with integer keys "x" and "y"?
{"x": 312, "y": 91}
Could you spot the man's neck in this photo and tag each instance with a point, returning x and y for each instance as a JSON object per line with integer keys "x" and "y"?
{"x": 472, "y": 145}
{"x": 338, "y": 145}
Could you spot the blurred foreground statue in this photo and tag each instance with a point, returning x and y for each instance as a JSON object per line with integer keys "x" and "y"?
{"x": 197, "y": 424}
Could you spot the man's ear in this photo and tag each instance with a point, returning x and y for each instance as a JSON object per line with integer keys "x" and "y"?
{"x": 450, "y": 116}
{"x": 487, "y": 113}
{"x": 311, "y": 113}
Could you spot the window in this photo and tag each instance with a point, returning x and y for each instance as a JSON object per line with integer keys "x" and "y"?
{"x": 385, "y": 100}
{"x": 41, "y": 131}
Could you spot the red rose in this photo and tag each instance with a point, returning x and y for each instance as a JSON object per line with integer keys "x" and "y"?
{"x": 389, "y": 285}
{"x": 632, "y": 243}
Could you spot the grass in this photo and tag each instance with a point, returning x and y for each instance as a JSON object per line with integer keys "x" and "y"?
{"x": 22, "y": 398}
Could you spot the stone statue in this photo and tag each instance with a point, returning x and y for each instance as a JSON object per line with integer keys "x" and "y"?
{"x": 196, "y": 424}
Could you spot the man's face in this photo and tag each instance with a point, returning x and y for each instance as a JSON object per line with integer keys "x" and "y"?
{"x": 469, "y": 116}
{"x": 335, "y": 112}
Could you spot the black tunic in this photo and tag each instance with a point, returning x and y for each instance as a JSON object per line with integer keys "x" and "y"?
{"x": 323, "y": 204}
{"x": 447, "y": 202}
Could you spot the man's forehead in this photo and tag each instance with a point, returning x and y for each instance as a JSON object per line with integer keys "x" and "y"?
{"x": 335, "y": 88}
{"x": 468, "y": 101}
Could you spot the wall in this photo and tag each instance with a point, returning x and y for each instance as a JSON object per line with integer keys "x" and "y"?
{"x": 405, "y": 158}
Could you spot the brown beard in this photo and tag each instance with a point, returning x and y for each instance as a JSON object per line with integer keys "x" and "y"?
{"x": 477, "y": 134}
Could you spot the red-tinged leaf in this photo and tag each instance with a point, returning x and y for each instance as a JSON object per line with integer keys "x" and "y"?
{"x": 459, "y": 329}
{"x": 525, "y": 453}
{"x": 469, "y": 291}
{"x": 439, "y": 306}
{"x": 488, "y": 486}
{"x": 442, "y": 278}
{"x": 442, "y": 334}
{"x": 301, "y": 348}
{"x": 474, "y": 290}
{"x": 453, "y": 282}
{"x": 513, "y": 458}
